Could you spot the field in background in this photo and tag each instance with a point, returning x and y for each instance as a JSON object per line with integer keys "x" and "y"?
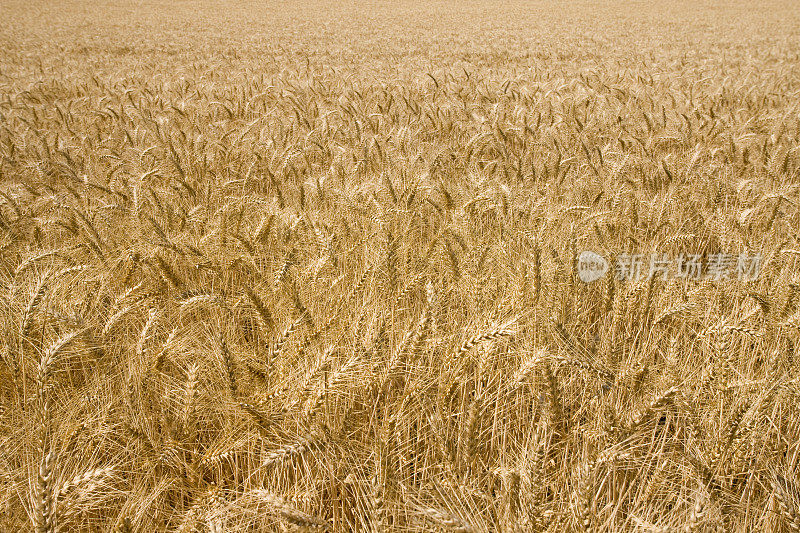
{"x": 269, "y": 266}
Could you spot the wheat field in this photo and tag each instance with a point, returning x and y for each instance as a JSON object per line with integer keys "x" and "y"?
{"x": 284, "y": 266}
